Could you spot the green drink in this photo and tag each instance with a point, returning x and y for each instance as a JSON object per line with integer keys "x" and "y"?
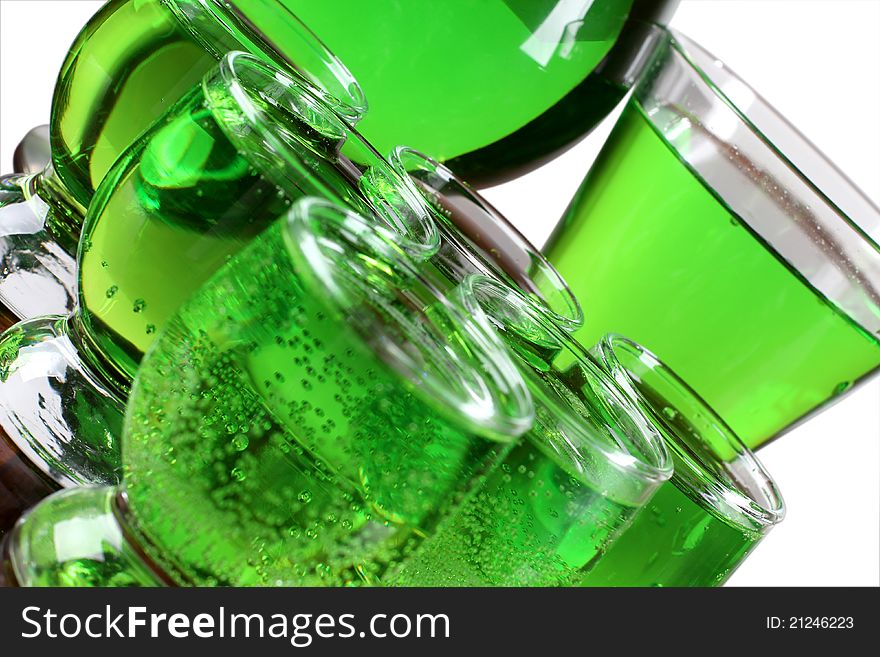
{"x": 474, "y": 237}
{"x": 126, "y": 68}
{"x": 479, "y": 56}
{"x": 674, "y": 542}
{"x": 204, "y": 182}
{"x": 718, "y": 505}
{"x": 567, "y": 489}
{"x": 149, "y": 58}
{"x": 309, "y": 417}
{"x": 149, "y": 54}
{"x": 712, "y": 249}
{"x": 136, "y": 57}
{"x": 223, "y": 164}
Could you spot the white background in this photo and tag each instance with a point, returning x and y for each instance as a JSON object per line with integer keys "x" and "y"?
{"x": 818, "y": 62}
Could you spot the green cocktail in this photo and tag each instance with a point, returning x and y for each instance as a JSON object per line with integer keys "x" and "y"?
{"x": 201, "y": 184}
{"x": 479, "y": 57}
{"x": 309, "y": 417}
{"x": 222, "y": 165}
{"x": 718, "y": 505}
{"x": 691, "y": 234}
{"x": 136, "y": 58}
{"x": 569, "y": 486}
{"x": 130, "y": 63}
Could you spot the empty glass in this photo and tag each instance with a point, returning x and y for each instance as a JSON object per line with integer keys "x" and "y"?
{"x": 474, "y": 237}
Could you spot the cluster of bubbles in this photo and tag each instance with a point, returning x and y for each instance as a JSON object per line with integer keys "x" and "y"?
{"x": 261, "y": 453}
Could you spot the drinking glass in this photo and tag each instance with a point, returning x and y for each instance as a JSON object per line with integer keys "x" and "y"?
{"x": 568, "y": 488}
{"x": 710, "y": 229}
{"x": 493, "y": 88}
{"x": 130, "y": 63}
{"x": 719, "y": 503}
{"x": 308, "y": 417}
{"x": 219, "y": 167}
{"x": 474, "y": 237}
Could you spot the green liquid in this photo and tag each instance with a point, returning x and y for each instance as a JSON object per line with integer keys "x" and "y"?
{"x": 500, "y": 65}
{"x": 534, "y": 522}
{"x": 652, "y": 254}
{"x": 672, "y": 542}
{"x": 179, "y": 205}
{"x": 135, "y": 59}
{"x": 267, "y": 444}
{"x": 130, "y": 63}
{"x": 544, "y": 515}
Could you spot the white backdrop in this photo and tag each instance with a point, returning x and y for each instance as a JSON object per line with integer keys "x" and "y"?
{"x": 818, "y": 62}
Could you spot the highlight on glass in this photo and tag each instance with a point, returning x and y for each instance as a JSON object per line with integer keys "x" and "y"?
{"x": 703, "y": 182}
{"x": 127, "y": 67}
{"x": 493, "y": 88}
{"x": 718, "y": 505}
{"x": 219, "y": 167}
{"x": 309, "y": 417}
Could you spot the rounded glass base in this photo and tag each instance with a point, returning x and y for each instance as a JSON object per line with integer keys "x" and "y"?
{"x": 74, "y": 538}
{"x": 37, "y": 275}
{"x": 54, "y": 408}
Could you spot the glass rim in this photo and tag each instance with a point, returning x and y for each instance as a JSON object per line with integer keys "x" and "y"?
{"x": 495, "y": 390}
{"x": 416, "y": 233}
{"x": 762, "y": 513}
{"x": 699, "y": 58}
{"x": 352, "y": 105}
{"x": 571, "y": 316}
{"x": 766, "y": 175}
{"x": 652, "y": 464}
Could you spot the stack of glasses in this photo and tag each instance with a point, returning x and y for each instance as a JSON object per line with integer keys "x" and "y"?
{"x": 254, "y": 351}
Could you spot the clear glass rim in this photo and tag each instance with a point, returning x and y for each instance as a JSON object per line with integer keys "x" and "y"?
{"x": 569, "y": 314}
{"x": 493, "y": 399}
{"x": 348, "y": 100}
{"x": 651, "y": 463}
{"x": 416, "y": 232}
{"x": 771, "y": 180}
{"x": 761, "y": 513}
{"x": 706, "y": 65}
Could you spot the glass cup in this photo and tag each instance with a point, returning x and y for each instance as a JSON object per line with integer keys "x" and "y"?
{"x": 476, "y": 238}
{"x": 493, "y": 88}
{"x": 218, "y": 168}
{"x": 568, "y": 488}
{"x": 755, "y": 275}
{"x": 586, "y": 63}
{"x": 309, "y": 417}
{"x": 126, "y": 68}
{"x": 719, "y": 503}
